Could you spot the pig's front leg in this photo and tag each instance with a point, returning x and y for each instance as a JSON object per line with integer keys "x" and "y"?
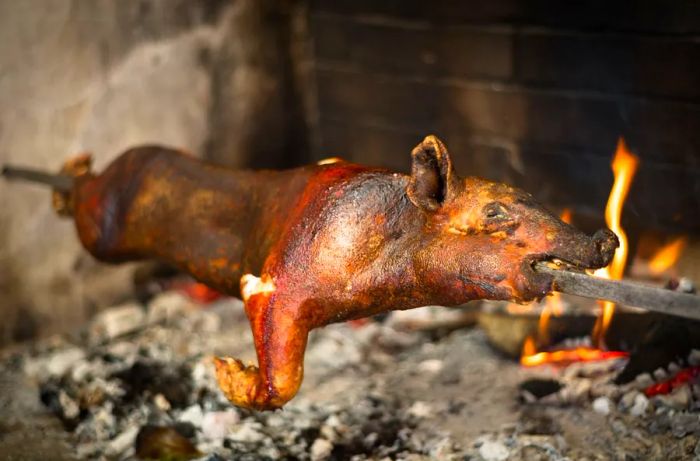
{"x": 280, "y": 341}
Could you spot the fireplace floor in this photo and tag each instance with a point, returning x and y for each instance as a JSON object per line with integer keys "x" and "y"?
{"x": 370, "y": 392}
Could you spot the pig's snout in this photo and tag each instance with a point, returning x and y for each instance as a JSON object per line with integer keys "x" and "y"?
{"x": 606, "y": 243}
{"x": 586, "y": 252}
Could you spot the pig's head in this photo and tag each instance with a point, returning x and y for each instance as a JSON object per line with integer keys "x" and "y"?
{"x": 481, "y": 239}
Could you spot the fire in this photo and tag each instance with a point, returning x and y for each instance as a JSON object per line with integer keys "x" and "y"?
{"x": 565, "y": 356}
{"x": 667, "y": 256}
{"x": 553, "y": 306}
{"x": 624, "y": 166}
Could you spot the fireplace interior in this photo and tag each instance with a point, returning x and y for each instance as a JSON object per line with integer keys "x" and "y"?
{"x": 104, "y": 362}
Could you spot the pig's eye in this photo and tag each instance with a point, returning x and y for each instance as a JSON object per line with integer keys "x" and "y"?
{"x": 496, "y": 211}
{"x": 497, "y": 219}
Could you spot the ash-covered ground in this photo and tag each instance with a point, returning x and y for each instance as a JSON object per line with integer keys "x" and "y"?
{"x": 139, "y": 385}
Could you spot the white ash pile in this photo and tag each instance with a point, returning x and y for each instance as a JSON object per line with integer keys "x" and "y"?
{"x": 140, "y": 383}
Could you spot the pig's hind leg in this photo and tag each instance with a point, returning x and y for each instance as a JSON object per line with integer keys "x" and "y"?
{"x": 280, "y": 342}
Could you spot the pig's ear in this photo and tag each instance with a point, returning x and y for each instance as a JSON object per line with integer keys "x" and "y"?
{"x": 432, "y": 179}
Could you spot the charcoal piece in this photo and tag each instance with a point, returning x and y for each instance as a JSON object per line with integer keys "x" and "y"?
{"x": 50, "y": 396}
{"x": 540, "y": 387}
{"x": 147, "y": 379}
{"x": 668, "y": 339}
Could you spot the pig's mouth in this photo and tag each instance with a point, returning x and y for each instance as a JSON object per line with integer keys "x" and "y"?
{"x": 555, "y": 262}
{"x": 580, "y": 252}
{"x": 578, "y": 255}
{"x": 535, "y": 284}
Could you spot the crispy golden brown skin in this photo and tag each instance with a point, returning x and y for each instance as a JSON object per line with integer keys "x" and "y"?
{"x": 321, "y": 244}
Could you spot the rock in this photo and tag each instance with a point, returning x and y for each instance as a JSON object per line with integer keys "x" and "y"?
{"x": 608, "y": 390}
{"x": 117, "y": 321}
{"x": 640, "y": 405}
{"x": 660, "y": 374}
{"x": 192, "y": 415}
{"x": 643, "y": 380}
{"x": 577, "y": 390}
{"x": 62, "y": 361}
{"x": 492, "y": 450}
{"x": 122, "y": 442}
{"x": 217, "y": 424}
{"x": 161, "y": 402}
{"x": 56, "y": 364}
{"x": 70, "y": 407}
{"x": 333, "y": 428}
{"x": 602, "y": 405}
{"x": 321, "y": 449}
{"x": 103, "y": 422}
{"x": 627, "y": 400}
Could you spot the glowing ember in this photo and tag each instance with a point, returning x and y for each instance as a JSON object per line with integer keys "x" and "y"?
{"x": 624, "y": 166}
{"x": 682, "y": 378}
{"x": 567, "y": 356}
{"x": 667, "y": 256}
{"x": 562, "y": 357}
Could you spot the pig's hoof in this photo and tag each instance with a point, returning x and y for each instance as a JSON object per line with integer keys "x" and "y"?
{"x": 240, "y": 384}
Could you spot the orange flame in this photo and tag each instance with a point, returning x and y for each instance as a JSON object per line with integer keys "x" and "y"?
{"x": 553, "y": 303}
{"x": 529, "y": 348}
{"x": 553, "y": 306}
{"x": 567, "y": 356}
{"x": 667, "y": 256}
{"x": 624, "y": 166}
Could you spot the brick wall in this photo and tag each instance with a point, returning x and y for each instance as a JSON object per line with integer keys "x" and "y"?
{"x": 532, "y": 93}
